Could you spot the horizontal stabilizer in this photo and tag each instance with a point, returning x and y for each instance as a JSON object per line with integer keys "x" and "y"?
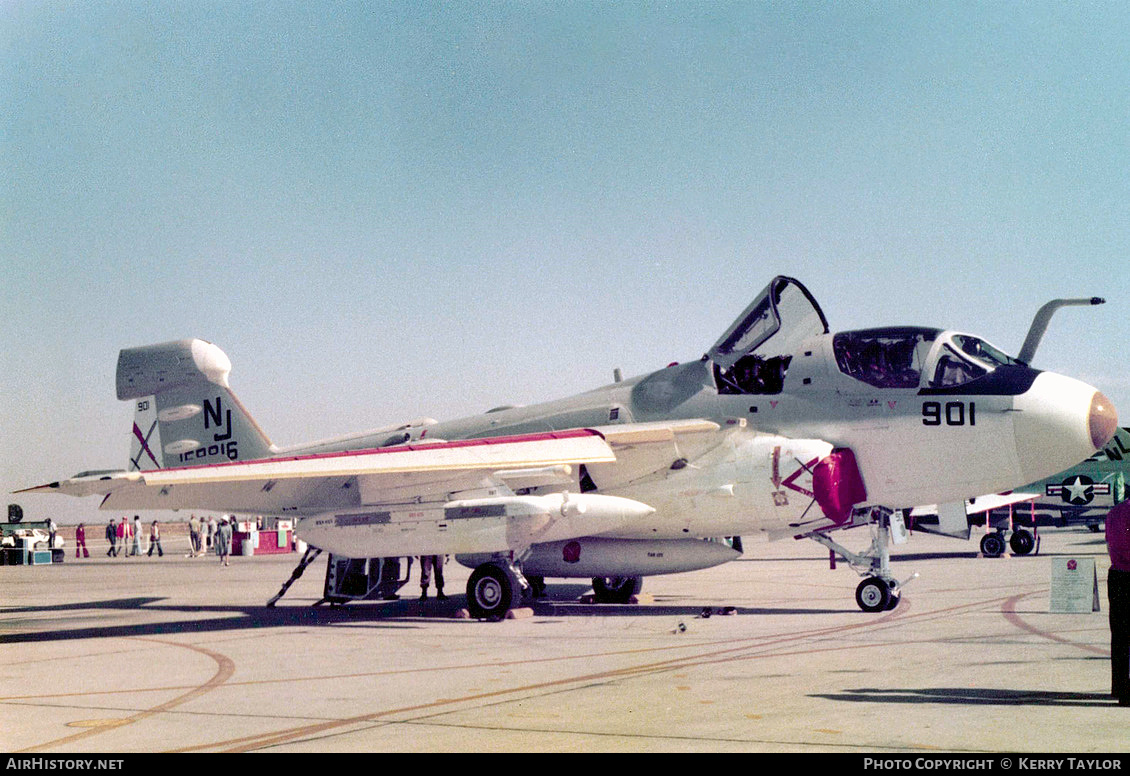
{"x": 88, "y": 484}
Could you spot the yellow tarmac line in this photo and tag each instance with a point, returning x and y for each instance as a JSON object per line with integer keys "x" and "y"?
{"x": 224, "y": 670}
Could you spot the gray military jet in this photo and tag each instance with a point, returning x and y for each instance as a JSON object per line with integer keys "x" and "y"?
{"x": 780, "y": 430}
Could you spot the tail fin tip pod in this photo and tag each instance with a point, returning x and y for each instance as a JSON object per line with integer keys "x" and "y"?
{"x": 185, "y": 413}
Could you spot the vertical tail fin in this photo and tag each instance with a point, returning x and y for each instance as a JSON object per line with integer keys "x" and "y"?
{"x": 185, "y": 414}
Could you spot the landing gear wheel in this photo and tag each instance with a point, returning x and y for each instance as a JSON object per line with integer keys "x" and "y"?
{"x": 992, "y": 545}
{"x": 1022, "y": 542}
{"x": 616, "y": 590}
{"x": 873, "y": 595}
{"x": 490, "y": 592}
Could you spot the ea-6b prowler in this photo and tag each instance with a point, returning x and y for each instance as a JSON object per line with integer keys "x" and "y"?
{"x": 781, "y": 430}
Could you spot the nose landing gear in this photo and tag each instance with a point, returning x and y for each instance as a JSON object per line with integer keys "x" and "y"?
{"x": 876, "y": 594}
{"x": 879, "y": 591}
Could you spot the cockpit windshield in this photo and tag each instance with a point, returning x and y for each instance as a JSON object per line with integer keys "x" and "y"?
{"x": 963, "y": 358}
{"x": 900, "y": 357}
{"x": 982, "y": 351}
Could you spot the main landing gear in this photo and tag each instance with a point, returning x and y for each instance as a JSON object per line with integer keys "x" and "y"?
{"x": 1021, "y": 542}
{"x": 493, "y": 588}
{"x": 879, "y": 591}
{"x": 616, "y": 590}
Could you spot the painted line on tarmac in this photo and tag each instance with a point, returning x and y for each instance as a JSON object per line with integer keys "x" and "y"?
{"x": 708, "y": 657}
{"x": 1008, "y": 609}
{"x": 225, "y": 667}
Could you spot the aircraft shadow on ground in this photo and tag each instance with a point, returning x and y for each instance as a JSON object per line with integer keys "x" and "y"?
{"x": 971, "y": 696}
{"x": 403, "y": 613}
{"x": 118, "y": 603}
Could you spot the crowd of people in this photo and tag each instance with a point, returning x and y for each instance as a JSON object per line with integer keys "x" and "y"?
{"x": 207, "y": 535}
{"x": 125, "y": 538}
{"x": 128, "y": 539}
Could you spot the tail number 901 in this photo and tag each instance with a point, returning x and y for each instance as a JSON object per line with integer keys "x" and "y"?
{"x": 952, "y": 413}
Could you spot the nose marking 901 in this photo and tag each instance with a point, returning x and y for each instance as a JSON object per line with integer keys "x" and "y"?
{"x": 952, "y": 413}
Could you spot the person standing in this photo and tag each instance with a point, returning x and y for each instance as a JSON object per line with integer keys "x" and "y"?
{"x": 80, "y": 541}
{"x": 222, "y": 540}
{"x": 193, "y": 536}
{"x": 135, "y": 549}
{"x": 1118, "y": 592}
{"x": 428, "y": 564}
{"x": 123, "y": 537}
{"x": 211, "y": 531}
{"x": 52, "y": 529}
{"x": 155, "y": 540}
{"x": 112, "y": 538}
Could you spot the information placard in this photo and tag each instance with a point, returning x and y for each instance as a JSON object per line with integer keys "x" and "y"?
{"x": 1075, "y": 585}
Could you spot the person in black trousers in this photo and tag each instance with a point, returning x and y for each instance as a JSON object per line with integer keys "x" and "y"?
{"x": 1118, "y": 593}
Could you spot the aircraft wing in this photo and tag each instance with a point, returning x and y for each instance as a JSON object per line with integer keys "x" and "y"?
{"x": 440, "y": 497}
{"x": 418, "y": 472}
{"x": 311, "y": 483}
{"x": 976, "y": 506}
{"x": 953, "y": 519}
{"x": 983, "y": 504}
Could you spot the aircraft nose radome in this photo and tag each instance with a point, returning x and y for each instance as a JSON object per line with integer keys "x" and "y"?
{"x": 1102, "y": 420}
{"x": 1059, "y": 422}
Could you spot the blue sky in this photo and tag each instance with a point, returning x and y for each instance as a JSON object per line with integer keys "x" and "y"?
{"x": 382, "y": 211}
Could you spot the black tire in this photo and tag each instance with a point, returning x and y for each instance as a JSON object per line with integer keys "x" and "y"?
{"x": 616, "y": 590}
{"x": 873, "y": 595}
{"x": 992, "y": 545}
{"x": 490, "y": 592}
{"x": 1022, "y": 542}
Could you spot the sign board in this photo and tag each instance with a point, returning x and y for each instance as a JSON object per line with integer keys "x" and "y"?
{"x": 1075, "y": 585}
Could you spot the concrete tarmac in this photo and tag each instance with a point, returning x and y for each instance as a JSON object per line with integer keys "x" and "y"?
{"x": 180, "y": 654}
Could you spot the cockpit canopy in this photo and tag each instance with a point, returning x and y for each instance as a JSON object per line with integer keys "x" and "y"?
{"x": 779, "y": 319}
{"x": 754, "y": 353}
{"x": 910, "y": 357}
